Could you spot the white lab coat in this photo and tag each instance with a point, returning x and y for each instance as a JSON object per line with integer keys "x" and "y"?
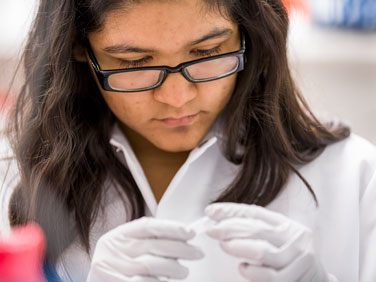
{"x": 343, "y": 178}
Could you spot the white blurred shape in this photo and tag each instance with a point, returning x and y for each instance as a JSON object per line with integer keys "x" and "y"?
{"x": 336, "y": 69}
{"x": 15, "y": 19}
{"x": 327, "y": 10}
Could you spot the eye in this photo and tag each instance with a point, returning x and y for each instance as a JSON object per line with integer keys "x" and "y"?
{"x": 209, "y": 52}
{"x": 134, "y": 63}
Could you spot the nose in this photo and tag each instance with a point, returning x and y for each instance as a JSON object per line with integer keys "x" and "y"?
{"x": 175, "y": 91}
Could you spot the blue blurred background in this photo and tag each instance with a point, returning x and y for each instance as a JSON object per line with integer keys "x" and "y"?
{"x": 359, "y": 14}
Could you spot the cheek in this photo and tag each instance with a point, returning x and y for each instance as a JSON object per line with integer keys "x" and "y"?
{"x": 218, "y": 93}
{"x": 125, "y": 107}
{"x": 228, "y": 90}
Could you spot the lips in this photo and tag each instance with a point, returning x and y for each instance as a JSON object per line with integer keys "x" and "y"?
{"x": 179, "y": 121}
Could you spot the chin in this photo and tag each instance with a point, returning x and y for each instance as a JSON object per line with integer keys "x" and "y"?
{"x": 179, "y": 140}
{"x": 177, "y": 147}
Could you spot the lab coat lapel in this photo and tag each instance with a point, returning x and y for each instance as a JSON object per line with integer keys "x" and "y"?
{"x": 122, "y": 145}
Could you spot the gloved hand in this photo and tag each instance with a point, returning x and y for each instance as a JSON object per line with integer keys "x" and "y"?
{"x": 274, "y": 247}
{"x": 144, "y": 250}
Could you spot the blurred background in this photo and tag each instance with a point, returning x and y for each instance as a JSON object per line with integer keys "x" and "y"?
{"x": 332, "y": 49}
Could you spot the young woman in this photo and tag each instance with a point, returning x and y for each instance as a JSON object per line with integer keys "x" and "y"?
{"x": 166, "y": 140}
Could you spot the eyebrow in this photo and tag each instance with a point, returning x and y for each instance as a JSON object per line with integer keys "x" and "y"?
{"x": 124, "y": 48}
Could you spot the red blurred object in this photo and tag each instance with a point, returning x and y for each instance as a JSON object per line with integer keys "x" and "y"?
{"x": 296, "y": 5}
{"x": 5, "y": 101}
{"x": 21, "y": 254}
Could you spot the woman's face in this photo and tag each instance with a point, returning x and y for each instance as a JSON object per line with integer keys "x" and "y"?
{"x": 177, "y": 115}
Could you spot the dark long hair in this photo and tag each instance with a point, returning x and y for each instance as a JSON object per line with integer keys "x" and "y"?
{"x": 62, "y": 125}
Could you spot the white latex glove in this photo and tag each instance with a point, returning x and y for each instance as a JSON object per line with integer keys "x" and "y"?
{"x": 144, "y": 250}
{"x": 274, "y": 247}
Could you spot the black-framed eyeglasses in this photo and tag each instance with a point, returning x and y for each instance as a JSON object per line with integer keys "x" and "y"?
{"x": 148, "y": 78}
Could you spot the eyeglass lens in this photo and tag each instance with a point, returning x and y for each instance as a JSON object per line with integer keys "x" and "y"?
{"x": 135, "y": 79}
{"x": 213, "y": 68}
{"x": 148, "y": 78}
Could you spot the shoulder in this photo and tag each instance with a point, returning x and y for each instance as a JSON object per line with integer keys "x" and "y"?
{"x": 349, "y": 164}
{"x": 353, "y": 151}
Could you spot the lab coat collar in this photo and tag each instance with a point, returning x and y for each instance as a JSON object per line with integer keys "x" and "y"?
{"x": 122, "y": 145}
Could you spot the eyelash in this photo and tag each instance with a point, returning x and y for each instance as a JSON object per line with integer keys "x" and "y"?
{"x": 209, "y": 52}
{"x": 134, "y": 64}
{"x": 141, "y": 62}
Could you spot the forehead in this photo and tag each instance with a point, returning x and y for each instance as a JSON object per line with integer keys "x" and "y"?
{"x": 170, "y": 23}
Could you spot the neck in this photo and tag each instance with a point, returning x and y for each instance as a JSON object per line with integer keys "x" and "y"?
{"x": 148, "y": 151}
{"x": 159, "y": 166}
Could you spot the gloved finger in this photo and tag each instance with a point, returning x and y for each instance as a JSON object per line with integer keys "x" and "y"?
{"x": 107, "y": 274}
{"x": 162, "y": 267}
{"x": 221, "y": 211}
{"x": 160, "y": 247}
{"x": 241, "y": 228}
{"x": 141, "y": 279}
{"x": 259, "y": 273}
{"x": 148, "y": 227}
{"x": 304, "y": 268}
{"x": 145, "y": 265}
{"x": 263, "y": 253}
{"x": 252, "y": 250}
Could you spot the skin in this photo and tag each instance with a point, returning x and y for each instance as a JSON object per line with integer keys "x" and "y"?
{"x": 165, "y": 28}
